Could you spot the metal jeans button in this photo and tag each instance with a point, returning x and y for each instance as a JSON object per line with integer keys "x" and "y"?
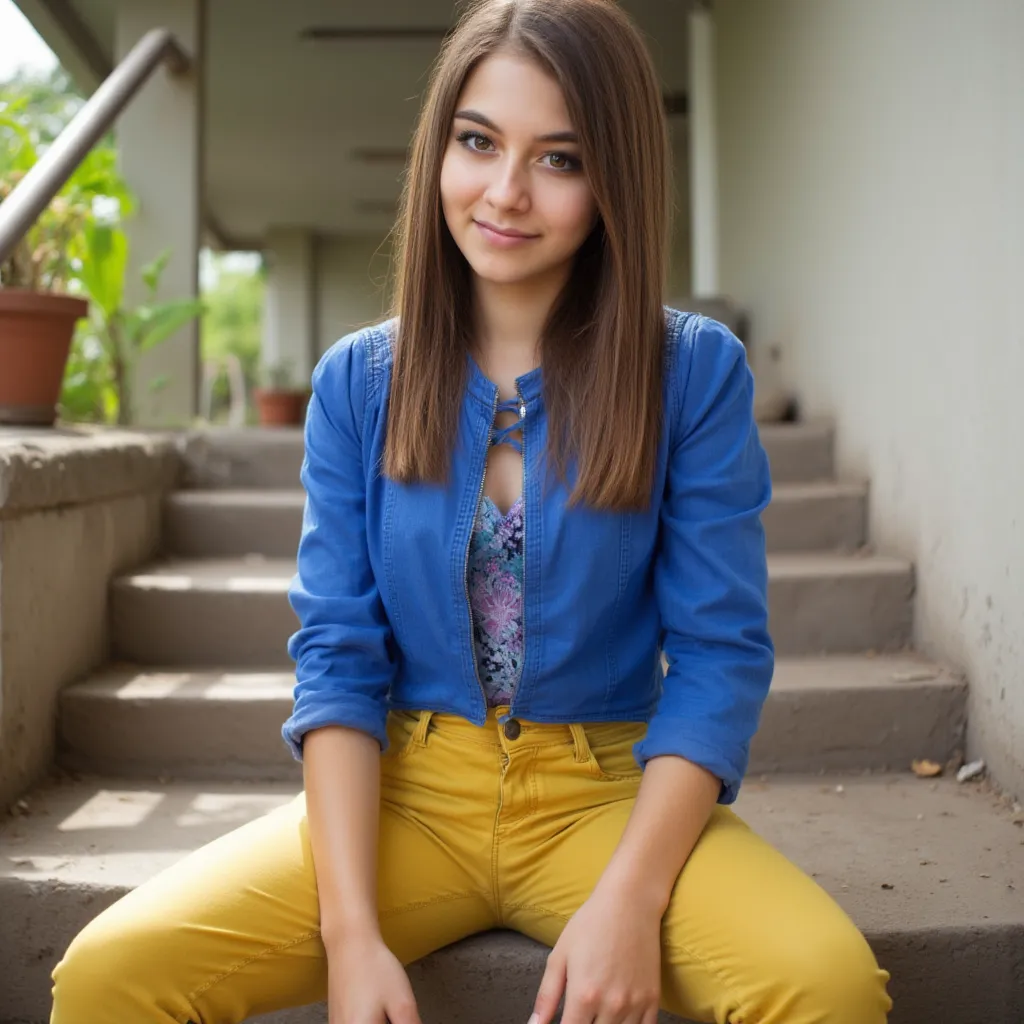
{"x": 512, "y": 729}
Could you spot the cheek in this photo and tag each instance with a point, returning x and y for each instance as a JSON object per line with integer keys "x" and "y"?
{"x": 574, "y": 211}
{"x": 457, "y": 183}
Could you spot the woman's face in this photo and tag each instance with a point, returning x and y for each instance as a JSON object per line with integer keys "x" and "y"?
{"x": 513, "y": 191}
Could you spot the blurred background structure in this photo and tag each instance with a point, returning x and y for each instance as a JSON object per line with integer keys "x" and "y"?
{"x": 849, "y": 186}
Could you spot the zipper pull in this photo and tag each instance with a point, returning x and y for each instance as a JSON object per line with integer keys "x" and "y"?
{"x": 522, "y": 410}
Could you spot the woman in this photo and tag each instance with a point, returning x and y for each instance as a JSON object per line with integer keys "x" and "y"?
{"x": 517, "y": 492}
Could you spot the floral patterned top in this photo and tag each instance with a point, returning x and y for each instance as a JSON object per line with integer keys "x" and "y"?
{"x": 496, "y": 597}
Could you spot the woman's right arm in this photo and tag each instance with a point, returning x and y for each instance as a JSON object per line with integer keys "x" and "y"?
{"x": 366, "y": 982}
{"x": 343, "y": 653}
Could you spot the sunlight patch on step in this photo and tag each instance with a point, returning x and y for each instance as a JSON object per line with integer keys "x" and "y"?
{"x": 111, "y": 808}
{"x": 229, "y": 809}
{"x": 208, "y": 686}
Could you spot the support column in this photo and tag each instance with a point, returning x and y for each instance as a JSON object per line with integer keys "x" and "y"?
{"x": 160, "y": 143}
{"x": 289, "y": 312}
{"x": 703, "y": 143}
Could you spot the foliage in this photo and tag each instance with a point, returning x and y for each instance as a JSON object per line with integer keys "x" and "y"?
{"x": 42, "y": 260}
{"x": 108, "y": 345}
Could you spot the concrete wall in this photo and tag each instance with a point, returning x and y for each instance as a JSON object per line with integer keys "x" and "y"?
{"x": 352, "y": 275}
{"x": 76, "y": 508}
{"x": 872, "y": 216}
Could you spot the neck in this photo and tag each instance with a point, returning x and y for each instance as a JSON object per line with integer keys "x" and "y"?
{"x": 509, "y": 320}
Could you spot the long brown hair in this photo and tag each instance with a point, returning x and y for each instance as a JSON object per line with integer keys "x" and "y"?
{"x": 603, "y": 344}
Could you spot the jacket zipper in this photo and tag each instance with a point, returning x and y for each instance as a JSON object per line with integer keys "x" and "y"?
{"x": 465, "y": 567}
{"x": 522, "y": 657}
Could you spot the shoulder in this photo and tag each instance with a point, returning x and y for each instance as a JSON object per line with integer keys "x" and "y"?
{"x": 702, "y": 357}
{"x": 356, "y": 364}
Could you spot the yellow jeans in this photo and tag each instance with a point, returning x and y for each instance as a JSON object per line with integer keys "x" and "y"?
{"x": 477, "y": 831}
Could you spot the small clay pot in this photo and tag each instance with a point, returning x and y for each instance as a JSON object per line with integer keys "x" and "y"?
{"x": 36, "y": 329}
{"x": 280, "y": 408}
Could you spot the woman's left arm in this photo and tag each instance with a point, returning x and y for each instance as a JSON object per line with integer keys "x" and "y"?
{"x": 710, "y": 577}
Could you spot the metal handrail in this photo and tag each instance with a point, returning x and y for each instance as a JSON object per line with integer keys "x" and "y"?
{"x": 36, "y": 190}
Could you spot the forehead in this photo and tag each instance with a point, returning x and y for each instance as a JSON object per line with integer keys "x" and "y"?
{"x": 517, "y": 94}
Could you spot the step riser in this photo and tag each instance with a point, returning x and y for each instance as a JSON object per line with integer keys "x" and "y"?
{"x": 832, "y": 615}
{"x": 189, "y": 628}
{"x": 953, "y": 976}
{"x": 273, "y": 458}
{"x": 157, "y": 626}
{"x": 816, "y": 524}
{"x": 837, "y": 730}
{"x": 192, "y": 530}
{"x": 195, "y": 531}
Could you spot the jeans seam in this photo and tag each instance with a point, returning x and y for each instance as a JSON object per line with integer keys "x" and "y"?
{"x": 538, "y": 910}
{"x": 420, "y": 904}
{"x": 305, "y": 937}
{"x": 709, "y": 967}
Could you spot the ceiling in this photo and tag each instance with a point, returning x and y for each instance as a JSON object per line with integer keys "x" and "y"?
{"x": 287, "y": 117}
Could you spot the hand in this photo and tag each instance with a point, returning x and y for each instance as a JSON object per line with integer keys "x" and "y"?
{"x": 367, "y": 983}
{"x": 607, "y": 961}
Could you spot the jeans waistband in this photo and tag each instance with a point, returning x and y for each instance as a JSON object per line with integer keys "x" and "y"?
{"x": 497, "y": 731}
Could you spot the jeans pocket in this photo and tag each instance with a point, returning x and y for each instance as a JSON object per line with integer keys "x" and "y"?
{"x": 401, "y": 729}
{"x": 611, "y": 750}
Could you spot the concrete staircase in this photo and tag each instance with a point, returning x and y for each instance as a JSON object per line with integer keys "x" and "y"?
{"x": 178, "y": 740}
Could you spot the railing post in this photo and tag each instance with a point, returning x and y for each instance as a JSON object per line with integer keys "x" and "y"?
{"x": 35, "y": 192}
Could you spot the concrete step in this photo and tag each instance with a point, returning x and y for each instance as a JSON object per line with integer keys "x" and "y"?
{"x": 818, "y": 516}
{"x": 833, "y": 714}
{"x": 204, "y": 612}
{"x": 224, "y": 523}
{"x": 824, "y": 603}
{"x": 931, "y": 871}
{"x": 234, "y": 612}
{"x": 257, "y": 457}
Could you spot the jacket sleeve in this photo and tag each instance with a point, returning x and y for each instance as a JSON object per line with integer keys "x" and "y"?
{"x": 710, "y": 572}
{"x": 342, "y": 650}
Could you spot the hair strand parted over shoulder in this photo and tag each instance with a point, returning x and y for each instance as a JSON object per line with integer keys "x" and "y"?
{"x": 603, "y": 344}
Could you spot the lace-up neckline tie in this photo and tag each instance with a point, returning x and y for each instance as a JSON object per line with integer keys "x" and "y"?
{"x": 502, "y": 435}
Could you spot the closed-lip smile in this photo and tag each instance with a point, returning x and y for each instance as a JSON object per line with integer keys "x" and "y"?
{"x": 507, "y": 232}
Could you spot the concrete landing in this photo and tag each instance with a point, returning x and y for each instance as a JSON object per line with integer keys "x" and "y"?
{"x": 932, "y": 872}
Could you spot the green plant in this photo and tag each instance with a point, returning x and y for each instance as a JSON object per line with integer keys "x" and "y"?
{"x": 98, "y": 384}
{"x": 44, "y": 259}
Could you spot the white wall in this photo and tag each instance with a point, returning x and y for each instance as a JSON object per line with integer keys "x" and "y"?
{"x": 872, "y": 214}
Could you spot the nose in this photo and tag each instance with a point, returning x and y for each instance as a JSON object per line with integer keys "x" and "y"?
{"x": 508, "y": 188}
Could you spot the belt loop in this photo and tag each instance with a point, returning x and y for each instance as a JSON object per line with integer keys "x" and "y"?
{"x": 419, "y": 737}
{"x": 581, "y": 746}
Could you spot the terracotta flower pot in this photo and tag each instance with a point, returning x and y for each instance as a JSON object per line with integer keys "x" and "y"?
{"x": 35, "y": 335}
{"x": 280, "y": 408}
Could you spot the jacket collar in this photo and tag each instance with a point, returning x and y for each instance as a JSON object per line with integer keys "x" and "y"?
{"x": 530, "y": 384}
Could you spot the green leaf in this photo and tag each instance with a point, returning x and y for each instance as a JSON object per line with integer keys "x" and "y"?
{"x": 103, "y": 251}
{"x": 157, "y": 323}
{"x": 152, "y": 272}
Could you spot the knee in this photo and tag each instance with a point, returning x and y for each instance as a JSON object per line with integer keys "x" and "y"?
{"x": 101, "y": 977}
{"x": 832, "y": 978}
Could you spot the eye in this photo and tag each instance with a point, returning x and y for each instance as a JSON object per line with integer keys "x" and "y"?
{"x": 474, "y": 141}
{"x": 563, "y": 162}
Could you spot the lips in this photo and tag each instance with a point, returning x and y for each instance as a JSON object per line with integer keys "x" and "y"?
{"x": 504, "y": 232}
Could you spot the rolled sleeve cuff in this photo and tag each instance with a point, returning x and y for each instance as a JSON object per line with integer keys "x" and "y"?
{"x": 671, "y": 736}
{"x": 368, "y": 718}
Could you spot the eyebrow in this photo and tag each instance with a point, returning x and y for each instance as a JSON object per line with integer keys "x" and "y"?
{"x": 478, "y": 118}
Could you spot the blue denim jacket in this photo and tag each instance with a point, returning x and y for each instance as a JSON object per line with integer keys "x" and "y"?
{"x": 381, "y": 592}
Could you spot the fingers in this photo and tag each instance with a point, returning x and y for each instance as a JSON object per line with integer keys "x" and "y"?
{"x": 401, "y": 1009}
{"x": 552, "y": 986}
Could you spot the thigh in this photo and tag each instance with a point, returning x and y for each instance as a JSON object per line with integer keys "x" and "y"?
{"x": 747, "y": 935}
{"x": 232, "y": 930}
